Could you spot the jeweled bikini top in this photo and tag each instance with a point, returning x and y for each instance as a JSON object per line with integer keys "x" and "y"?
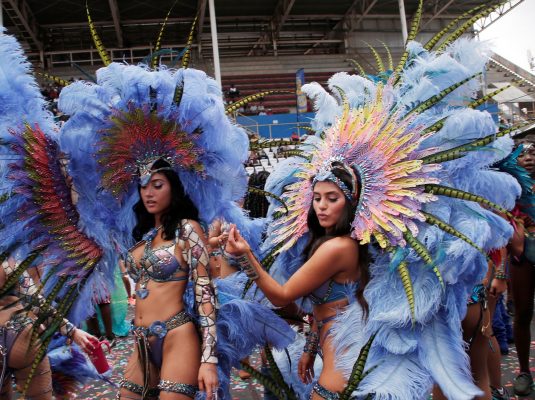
{"x": 159, "y": 264}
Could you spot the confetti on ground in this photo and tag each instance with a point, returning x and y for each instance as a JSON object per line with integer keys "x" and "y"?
{"x": 250, "y": 389}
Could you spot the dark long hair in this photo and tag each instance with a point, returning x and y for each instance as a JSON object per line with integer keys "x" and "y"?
{"x": 257, "y": 204}
{"x": 181, "y": 207}
{"x": 342, "y": 228}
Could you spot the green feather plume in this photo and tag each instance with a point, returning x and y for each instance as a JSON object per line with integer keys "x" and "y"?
{"x": 389, "y": 56}
{"x": 266, "y": 263}
{"x": 357, "y": 374}
{"x": 19, "y": 270}
{"x": 467, "y": 25}
{"x": 412, "y": 34}
{"x": 158, "y": 45}
{"x": 53, "y": 78}
{"x": 266, "y": 144}
{"x": 265, "y": 380}
{"x": 378, "y": 60}
{"x": 438, "y": 97}
{"x": 295, "y": 153}
{"x": 96, "y": 39}
{"x": 403, "y": 272}
{"x": 488, "y": 96}
{"x": 187, "y": 55}
{"x": 422, "y": 252}
{"x": 459, "y": 151}
{"x": 431, "y": 219}
{"x": 462, "y": 195}
{"x": 261, "y": 192}
{"x": 361, "y": 70}
{"x": 277, "y": 375}
{"x": 253, "y": 97}
{"x": 435, "y": 39}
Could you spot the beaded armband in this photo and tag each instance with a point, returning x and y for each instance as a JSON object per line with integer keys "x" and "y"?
{"x": 67, "y": 329}
{"x": 246, "y": 266}
{"x": 501, "y": 270}
{"x": 500, "y": 275}
{"x": 312, "y": 343}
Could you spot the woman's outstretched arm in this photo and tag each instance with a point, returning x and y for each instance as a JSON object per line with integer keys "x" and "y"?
{"x": 328, "y": 260}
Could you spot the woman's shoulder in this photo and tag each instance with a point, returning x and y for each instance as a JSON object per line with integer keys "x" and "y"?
{"x": 189, "y": 226}
{"x": 340, "y": 243}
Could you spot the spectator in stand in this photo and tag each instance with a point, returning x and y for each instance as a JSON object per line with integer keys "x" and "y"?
{"x": 233, "y": 91}
{"x": 53, "y": 92}
{"x": 269, "y": 111}
{"x": 295, "y": 137}
{"x": 253, "y": 109}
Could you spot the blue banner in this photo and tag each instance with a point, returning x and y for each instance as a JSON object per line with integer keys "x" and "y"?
{"x": 301, "y": 98}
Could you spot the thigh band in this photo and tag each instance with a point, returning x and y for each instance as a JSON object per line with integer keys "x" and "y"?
{"x": 176, "y": 387}
{"x": 138, "y": 389}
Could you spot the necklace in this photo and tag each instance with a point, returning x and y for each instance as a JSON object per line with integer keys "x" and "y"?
{"x": 148, "y": 237}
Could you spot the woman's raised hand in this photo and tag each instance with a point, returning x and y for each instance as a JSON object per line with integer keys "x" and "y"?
{"x": 236, "y": 244}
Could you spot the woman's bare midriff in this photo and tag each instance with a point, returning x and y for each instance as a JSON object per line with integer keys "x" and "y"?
{"x": 165, "y": 300}
{"x": 323, "y": 311}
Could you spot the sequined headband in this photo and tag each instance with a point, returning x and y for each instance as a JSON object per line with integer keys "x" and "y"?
{"x": 326, "y": 174}
{"x": 146, "y": 171}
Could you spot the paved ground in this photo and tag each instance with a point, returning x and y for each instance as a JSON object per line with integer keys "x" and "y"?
{"x": 249, "y": 389}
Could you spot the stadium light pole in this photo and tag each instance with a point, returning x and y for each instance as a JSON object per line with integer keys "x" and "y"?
{"x": 215, "y": 46}
{"x": 403, "y": 20}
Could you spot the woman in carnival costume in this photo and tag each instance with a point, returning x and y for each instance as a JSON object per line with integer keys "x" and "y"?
{"x": 523, "y": 267}
{"x": 20, "y": 307}
{"x": 142, "y": 124}
{"x": 171, "y": 248}
{"x": 424, "y": 203}
{"x": 169, "y": 154}
{"x": 334, "y": 266}
{"x": 47, "y": 255}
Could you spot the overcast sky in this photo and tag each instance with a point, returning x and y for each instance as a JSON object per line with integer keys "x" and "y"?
{"x": 513, "y": 34}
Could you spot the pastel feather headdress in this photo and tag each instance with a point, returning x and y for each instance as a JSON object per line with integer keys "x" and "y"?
{"x": 382, "y": 150}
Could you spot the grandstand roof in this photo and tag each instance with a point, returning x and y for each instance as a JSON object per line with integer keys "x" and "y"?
{"x": 244, "y": 27}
